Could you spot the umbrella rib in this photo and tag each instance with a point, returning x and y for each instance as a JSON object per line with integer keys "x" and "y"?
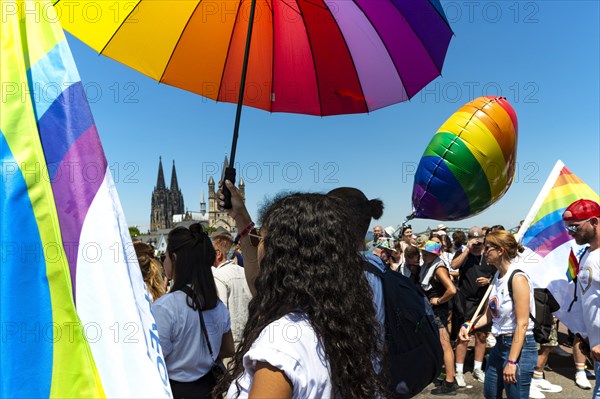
{"x": 421, "y": 40}
{"x": 362, "y": 91}
{"x": 178, "y": 40}
{"x": 384, "y": 45}
{"x": 312, "y": 54}
{"x": 119, "y": 27}
{"x": 228, "y": 50}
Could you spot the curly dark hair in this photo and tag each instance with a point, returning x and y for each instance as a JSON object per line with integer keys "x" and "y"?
{"x": 311, "y": 265}
{"x": 194, "y": 258}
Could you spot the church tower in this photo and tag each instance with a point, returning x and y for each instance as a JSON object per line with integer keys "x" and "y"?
{"x": 159, "y": 217}
{"x": 176, "y": 198}
{"x": 202, "y": 205}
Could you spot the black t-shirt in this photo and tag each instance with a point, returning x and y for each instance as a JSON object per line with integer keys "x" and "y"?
{"x": 470, "y": 270}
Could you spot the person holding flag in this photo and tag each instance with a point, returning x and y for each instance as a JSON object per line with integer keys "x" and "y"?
{"x": 582, "y": 221}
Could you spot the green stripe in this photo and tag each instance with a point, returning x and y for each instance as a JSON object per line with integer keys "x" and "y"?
{"x": 465, "y": 168}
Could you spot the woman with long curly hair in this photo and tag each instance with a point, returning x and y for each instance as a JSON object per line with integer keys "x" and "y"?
{"x": 152, "y": 270}
{"x": 310, "y": 332}
{"x": 189, "y": 356}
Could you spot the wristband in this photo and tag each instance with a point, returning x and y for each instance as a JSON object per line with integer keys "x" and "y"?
{"x": 244, "y": 233}
{"x": 511, "y": 362}
{"x": 467, "y": 325}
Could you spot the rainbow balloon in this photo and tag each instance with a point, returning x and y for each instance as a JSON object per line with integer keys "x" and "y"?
{"x": 469, "y": 163}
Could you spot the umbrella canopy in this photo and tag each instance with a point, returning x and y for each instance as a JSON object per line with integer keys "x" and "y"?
{"x": 316, "y": 57}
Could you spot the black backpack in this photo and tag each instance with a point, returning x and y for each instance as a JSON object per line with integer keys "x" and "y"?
{"x": 545, "y": 305}
{"x": 414, "y": 355}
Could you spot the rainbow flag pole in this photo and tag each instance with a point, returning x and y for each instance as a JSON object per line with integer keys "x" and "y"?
{"x": 75, "y": 318}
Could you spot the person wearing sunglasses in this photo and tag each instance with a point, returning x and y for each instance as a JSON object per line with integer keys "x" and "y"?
{"x": 511, "y": 362}
{"x": 475, "y": 276}
{"x": 582, "y": 221}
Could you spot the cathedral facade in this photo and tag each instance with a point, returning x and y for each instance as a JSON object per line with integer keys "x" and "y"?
{"x": 166, "y": 202}
{"x": 168, "y": 207}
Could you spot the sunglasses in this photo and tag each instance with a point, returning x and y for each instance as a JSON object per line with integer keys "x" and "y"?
{"x": 489, "y": 246}
{"x": 575, "y": 227}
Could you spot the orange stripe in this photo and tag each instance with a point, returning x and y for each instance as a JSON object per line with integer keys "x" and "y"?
{"x": 198, "y": 61}
{"x": 497, "y": 121}
{"x": 260, "y": 65}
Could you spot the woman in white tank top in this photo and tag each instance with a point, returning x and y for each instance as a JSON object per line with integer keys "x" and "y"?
{"x": 511, "y": 362}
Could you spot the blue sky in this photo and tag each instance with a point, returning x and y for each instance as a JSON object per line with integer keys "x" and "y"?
{"x": 543, "y": 56}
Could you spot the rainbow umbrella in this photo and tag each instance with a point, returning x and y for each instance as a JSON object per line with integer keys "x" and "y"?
{"x": 316, "y": 57}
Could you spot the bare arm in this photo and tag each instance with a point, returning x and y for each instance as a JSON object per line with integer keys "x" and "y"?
{"x": 443, "y": 277}
{"x": 240, "y": 214}
{"x": 521, "y": 307}
{"x": 227, "y": 348}
{"x": 270, "y": 382}
{"x": 460, "y": 259}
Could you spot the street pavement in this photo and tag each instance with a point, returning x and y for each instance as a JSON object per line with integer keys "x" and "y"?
{"x": 562, "y": 373}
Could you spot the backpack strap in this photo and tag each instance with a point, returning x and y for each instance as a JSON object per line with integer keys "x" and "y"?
{"x": 575, "y": 280}
{"x": 510, "y": 292}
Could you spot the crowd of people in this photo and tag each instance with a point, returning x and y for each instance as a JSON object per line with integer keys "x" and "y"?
{"x": 303, "y": 318}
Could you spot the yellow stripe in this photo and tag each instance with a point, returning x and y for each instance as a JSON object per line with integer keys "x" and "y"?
{"x": 484, "y": 147}
{"x": 147, "y": 40}
{"x": 563, "y": 196}
{"x": 74, "y": 372}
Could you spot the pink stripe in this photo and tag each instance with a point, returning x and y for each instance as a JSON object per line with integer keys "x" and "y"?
{"x": 293, "y": 64}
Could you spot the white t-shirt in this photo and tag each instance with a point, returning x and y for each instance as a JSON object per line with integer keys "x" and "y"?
{"x": 291, "y": 345}
{"x": 233, "y": 291}
{"x": 501, "y": 305}
{"x": 588, "y": 292}
{"x": 181, "y": 338}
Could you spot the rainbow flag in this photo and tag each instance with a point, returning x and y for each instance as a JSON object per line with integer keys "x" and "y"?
{"x": 74, "y": 315}
{"x": 573, "y": 268}
{"x": 548, "y": 246}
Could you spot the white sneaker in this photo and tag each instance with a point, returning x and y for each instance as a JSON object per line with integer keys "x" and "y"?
{"x": 582, "y": 382}
{"x": 490, "y": 341}
{"x": 479, "y": 375}
{"x": 460, "y": 380}
{"x": 545, "y": 386}
{"x": 535, "y": 393}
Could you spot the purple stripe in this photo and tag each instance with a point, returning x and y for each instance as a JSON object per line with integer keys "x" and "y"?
{"x": 431, "y": 29}
{"x": 66, "y": 119}
{"x": 75, "y": 185}
{"x": 410, "y": 57}
{"x": 549, "y": 239}
{"x": 379, "y": 79}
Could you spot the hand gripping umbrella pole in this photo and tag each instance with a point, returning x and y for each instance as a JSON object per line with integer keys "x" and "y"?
{"x": 230, "y": 170}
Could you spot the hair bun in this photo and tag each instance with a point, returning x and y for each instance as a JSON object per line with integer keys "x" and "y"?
{"x": 376, "y": 208}
{"x": 197, "y": 229}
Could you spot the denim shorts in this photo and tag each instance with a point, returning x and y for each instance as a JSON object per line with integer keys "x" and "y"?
{"x": 494, "y": 380}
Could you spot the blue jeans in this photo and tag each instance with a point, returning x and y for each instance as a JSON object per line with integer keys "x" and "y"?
{"x": 494, "y": 379}
{"x": 596, "y": 394}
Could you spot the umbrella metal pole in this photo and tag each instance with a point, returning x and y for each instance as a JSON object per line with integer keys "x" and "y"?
{"x": 230, "y": 170}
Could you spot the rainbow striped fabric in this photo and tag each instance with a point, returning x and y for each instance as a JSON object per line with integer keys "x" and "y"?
{"x": 547, "y": 231}
{"x": 469, "y": 163}
{"x": 573, "y": 268}
{"x": 549, "y": 249}
{"x": 74, "y": 314}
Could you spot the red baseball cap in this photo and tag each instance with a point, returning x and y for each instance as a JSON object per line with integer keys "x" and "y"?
{"x": 581, "y": 209}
